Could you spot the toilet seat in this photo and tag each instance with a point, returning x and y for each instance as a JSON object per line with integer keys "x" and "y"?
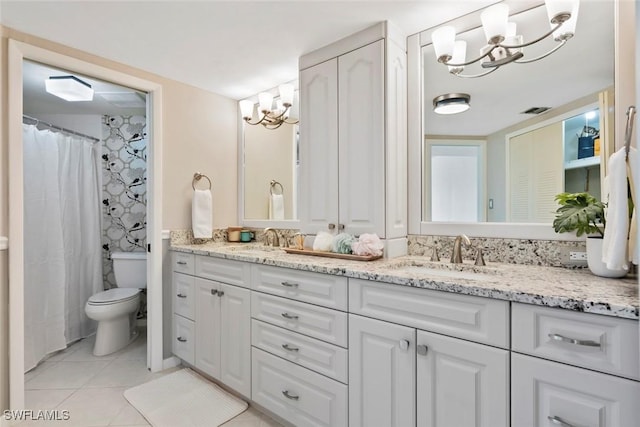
{"x": 113, "y": 296}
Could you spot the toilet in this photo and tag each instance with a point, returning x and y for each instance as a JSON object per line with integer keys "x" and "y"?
{"x": 115, "y": 309}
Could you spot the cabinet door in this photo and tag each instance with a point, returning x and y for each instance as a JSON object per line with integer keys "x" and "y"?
{"x": 235, "y": 310}
{"x": 361, "y": 140}
{"x": 382, "y": 376}
{"x": 551, "y": 394}
{"x": 319, "y": 147}
{"x": 207, "y": 347}
{"x": 461, "y": 383}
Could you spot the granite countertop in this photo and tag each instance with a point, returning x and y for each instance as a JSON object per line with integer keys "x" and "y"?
{"x": 572, "y": 289}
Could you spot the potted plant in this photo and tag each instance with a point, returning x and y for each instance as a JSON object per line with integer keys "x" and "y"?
{"x": 584, "y": 214}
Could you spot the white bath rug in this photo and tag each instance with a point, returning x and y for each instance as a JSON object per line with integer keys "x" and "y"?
{"x": 184, "y": 399}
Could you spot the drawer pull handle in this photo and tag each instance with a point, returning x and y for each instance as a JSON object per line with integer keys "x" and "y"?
{"x": 182, "y": 339}
{"x": 220, "y": 293}
{"x": 559, "y": 421}
{"x": 290, "y": 316}
{"x": 290, "y": 396}
{"x": 289, "y": 284}
{"x": 182, "y": 263}
{"x": 289, "y": 348}
{"x": 587, "y": 343}
{"x": 214, "y": 292}
{"x": 181, "y": 296}
{"x": 422, "y": 350}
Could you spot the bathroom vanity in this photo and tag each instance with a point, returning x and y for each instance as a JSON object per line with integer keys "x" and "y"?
{"x": 410, "y": 342}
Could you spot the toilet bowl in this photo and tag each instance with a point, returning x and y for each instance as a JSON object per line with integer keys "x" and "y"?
{"x": 116, "y": 309}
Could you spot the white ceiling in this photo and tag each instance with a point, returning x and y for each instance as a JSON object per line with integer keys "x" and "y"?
{"x": 233, "y": 48}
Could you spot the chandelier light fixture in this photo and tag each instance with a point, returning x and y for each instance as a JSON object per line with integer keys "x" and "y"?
{"x": 504, "y": 45}
{"x": 69, "y": 88}
{"x": 268, "y": 116}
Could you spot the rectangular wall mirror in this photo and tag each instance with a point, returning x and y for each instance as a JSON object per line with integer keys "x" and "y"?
{"x": 268, "y": 171}
{"x": 518, "y": 143}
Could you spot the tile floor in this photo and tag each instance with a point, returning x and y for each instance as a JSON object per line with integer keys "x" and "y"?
{"x": 91, "y": 388}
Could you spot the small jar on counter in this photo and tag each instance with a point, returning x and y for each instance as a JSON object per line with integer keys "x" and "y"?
{"x": 233, "y": 234}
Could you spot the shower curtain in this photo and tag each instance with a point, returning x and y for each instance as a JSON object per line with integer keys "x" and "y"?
{"x": 62, "y": 239}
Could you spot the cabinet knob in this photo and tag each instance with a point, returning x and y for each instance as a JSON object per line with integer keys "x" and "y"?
{"x": 404, "y": 345}
{"x": 182, "y": 263}
{"x": 289, "y": 348}
{"x": 332, "y": 226}
{"x": 559, "y": 421}
{"x": 182, "y": 339}
{"x": 422, "y": 350}
{"x": 290, "y": 396}
{"x": 562, "y": 338}
{"x": 214, "y": 291}
{"x": 181, "y": 296}
{"x": 289, "y": 316}
{"x": 289, "y": 284}
{"x": 220, "y": 293}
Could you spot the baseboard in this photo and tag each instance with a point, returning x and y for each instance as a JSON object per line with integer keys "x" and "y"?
{"x": 171, "y": 362}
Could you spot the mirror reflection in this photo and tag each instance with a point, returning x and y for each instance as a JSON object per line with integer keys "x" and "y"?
{"x": 270, "y": 164}
{"x": 532, "y": 130}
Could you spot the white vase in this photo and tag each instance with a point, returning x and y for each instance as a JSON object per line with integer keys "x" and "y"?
{"x": 594, "y": 260}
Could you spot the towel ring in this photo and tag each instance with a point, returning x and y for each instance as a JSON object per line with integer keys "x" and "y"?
{"x": 631, "y": 112}
{"x": 273, "y": 184}
{"x": 197, "y": 177}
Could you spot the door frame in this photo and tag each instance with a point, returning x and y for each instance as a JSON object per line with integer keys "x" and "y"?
{"x": 19, "y": 51}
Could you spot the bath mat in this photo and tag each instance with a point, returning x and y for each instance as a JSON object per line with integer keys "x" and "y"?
{"x": 184, "y": 399}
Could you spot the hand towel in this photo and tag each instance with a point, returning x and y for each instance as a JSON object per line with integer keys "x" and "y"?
{"x": 615, "y": 243}
{"x": 202, "y": 214}
{"x": 633, "y": 169}
{"x": 276, "y": 206}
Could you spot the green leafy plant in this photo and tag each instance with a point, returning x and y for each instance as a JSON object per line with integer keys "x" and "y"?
{"x": 579, "y": 212}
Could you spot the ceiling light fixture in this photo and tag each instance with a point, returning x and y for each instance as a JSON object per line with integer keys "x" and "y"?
{"x": 69, "y": 88}
{"x": 269, "y": 117}
{"x": 504, "y": 45}
{"x": 451, "y": 103}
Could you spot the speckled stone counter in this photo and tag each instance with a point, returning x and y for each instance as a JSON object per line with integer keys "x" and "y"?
{"x": 576, "y": 290}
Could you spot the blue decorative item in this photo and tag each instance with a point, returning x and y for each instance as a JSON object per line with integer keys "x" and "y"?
{"x": 585, "y": 147}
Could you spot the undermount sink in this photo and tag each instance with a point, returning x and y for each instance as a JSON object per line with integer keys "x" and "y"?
{"x": 449, "y": 270}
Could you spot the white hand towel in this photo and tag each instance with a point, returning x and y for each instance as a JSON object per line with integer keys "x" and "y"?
{"x": 202, "y": 214}
{"x": 633, "y": 170}
{"x": 276, "y": 206}
{"x": 614, "y": 245}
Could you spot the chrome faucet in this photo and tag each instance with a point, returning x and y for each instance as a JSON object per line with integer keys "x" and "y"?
{"x": 456, "y": 255}
{"x": 275, "y": 242}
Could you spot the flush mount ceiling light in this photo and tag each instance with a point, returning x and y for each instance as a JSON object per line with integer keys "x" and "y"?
{"x": 504, "y": 45}
{"x": 269, "y": 117}
{"x": 451, "y": 103}
{"x": 69, "y": 88}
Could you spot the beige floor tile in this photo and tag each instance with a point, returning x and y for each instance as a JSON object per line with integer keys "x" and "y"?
{"x": 122, "y": 373}
{"x": 65, "y": 375}
{"x": 129, "y": 416}
{"x": 46, "y": 399}
{"x": 94, "y": 407}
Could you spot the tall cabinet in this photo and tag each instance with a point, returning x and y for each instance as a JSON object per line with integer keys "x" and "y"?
{"x": 353, "y": 136}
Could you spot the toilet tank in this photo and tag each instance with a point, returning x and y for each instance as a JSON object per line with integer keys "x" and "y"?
{"x": 130, "y": 269}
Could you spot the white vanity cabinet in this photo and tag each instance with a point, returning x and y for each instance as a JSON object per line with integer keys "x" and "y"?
{"x": 212, "y": 317}
{"x": 420, "y": 377}
{"x": 546, "y": 392}
{"x": 299, "y": 339}
{"x": 353, "y": 136}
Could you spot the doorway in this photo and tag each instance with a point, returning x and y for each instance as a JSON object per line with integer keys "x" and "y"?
{"x": 19, "y": 53}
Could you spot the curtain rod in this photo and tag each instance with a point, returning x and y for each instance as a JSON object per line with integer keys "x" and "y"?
{"x": 52, "y": 126}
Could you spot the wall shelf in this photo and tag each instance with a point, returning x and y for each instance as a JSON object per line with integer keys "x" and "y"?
{"x": 582, "y": 163}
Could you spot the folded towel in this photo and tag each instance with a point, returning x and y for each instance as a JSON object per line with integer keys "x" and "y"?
{"x": 615, "y": 245}
{"x": 276, "y": 206}
{"x": 202, "y": 214}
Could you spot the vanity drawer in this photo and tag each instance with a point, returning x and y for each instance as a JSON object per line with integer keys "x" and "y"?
{"x": 593, "y": 341}
{"x": 318, "y": 322}
{"x": 183, "y": 262}
{"x": 184, "y": 338}
{"x": 302, "y": 397}
{"x": 319, "y": 356}
{"x": 184, "y": 288}
{"x": 315, "y": 288}
{"x": 545, "y": 393}
{"x": 223, "y": 270}
{"x": 473, "y": 318}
